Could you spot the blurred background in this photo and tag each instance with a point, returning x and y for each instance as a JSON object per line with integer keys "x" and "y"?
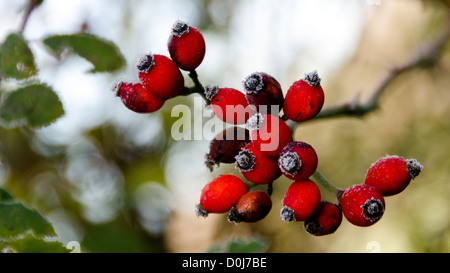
{"x": 116, "y": 181}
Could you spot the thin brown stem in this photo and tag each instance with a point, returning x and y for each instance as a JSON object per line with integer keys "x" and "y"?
{"x": 32, "y": 4}
{"x": 426, "y": 56}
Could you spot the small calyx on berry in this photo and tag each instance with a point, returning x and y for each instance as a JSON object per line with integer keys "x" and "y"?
{"x": 211, "y": 91}
{"x": 373, "y": 209}
{"x": 253, "y": 83}
{"x": 312, "y": 78}
{"x": 200, "y": 211}
{"x": 145, "y": 63}
{"x": 414, "y": 167}
{"x": 255, "y": 121}
{"x": 245, "y": 160}
{"x": 180, "y": 28}
{"x": 290, "y": 163}
{"x": 287, "y": 214}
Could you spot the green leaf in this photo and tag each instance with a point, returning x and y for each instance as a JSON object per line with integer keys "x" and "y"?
{"x": 5, "y": 195}
{"x": 253, "y": 245}
{"x": 31, "y": 244}
{"x": 36, "y": 105}
{"x": 103, "y": 54}
{"x": 16, "y": 219}
{"x": 16, "y": 58}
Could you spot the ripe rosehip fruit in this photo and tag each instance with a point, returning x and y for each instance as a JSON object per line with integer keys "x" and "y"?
{"x": 269, "y": 133}
{"x": 392, "y": 174}
{"x": 304, "y": 99}
{"x": 257, "y": 167}
{"x": 137, "y": 98}
{"x": 298, "y": 160}
{"x": 186, "y": 46}
{"x": 264, "y": 92}
{"x": 301, "y": 201}
{"x": 228, "y": 104}
{"x": 226, "y": 145}
{"x": 220, "y": 194}
{"x": 325, "y": 221}
{"x": 251, "y": 207}
{"x": 160, "y": 75}
{"x": 363, "y": 205}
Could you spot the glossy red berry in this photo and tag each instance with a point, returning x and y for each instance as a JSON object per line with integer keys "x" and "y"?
{"x": 301, "y": 201}
{"x": 298, "y": 160}
{"x": 304, "y": 99}
{"x": 137, "y": 98}
{"x": 220, "y": 194}
{"x": 392, "y": 174}
{"x": 251, "y": 207}
{"x": 186, "y": 46}
{"x": 160, "y": 75}
{"x": 264, "y": 92}
{"x": 228, "y": 104}
{"x": 257, "y": 167}
{"x": 362, "y": 205}
{"x": 269, "y": 133}
{"x": 226, "y": 145}
{"x": 325, "y": 221}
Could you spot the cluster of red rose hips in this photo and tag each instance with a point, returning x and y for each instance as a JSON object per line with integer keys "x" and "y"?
{"x": 264, "y": 149}
{"x": 160, "y": 76}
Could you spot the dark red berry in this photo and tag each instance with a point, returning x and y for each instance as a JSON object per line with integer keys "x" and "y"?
{"x": 226, "y": 145}
{"x": 325, "y": 221}
{"x": 264, "y": 92}
{"x": 160, "y": 75}
{"x": 137, "y": 98}
{"x": 363, "y": 205}
{"x": 392, "y": 174}
{"x": 251, "y": 207}
{"x": 269, "y": 133}
{"x": 301, "y": 201}
{"x": 304, "y": 99}
{"x": 228, "y": 104}
{"x": 257, "y": 167}
{"x": 220, "y": 194}
{"x": 186, "y": 46}
{"x": 298, "y": 160}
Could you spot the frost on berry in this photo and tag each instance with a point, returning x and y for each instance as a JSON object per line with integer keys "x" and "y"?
{"x": 211, "y": 91}
{"x": 180, "y": 28}
{"x": 414, "y": 167}
{"x": 253, "y": 83}
{"x": 145, "y": 63}
{"x": 245, "y": 160}
{"x": 255, "y": 121}
{"x": 373, "y": 209}
{"x": 312, "y": 78}
{"x": 287, "y": 214}
{"x": 200, "y": 211}
{"x": 290, "y": 162}
{"x": 115, "y": 87}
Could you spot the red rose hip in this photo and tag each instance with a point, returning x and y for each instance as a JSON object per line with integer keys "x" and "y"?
{"x": 301, "y": 201}
{"x": 264, "y": 92}
{"x": 304, "y": 99}
{"x": 298, "y": 160}
{"x": 325, "y": 221}
{"x": 228, "y": 104}
{"x": 251, "y": 207}
{"x": 362, "y": 205}
{"x": 392, "y": 174}
{"x": 137, "y": 98}
{"x": 269, "y": 133}
{"x": 186, "y": 46}
{"x": 220, "y": 194}
{"x": 257, "y": 167}
{"x": 160, "y": 75}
